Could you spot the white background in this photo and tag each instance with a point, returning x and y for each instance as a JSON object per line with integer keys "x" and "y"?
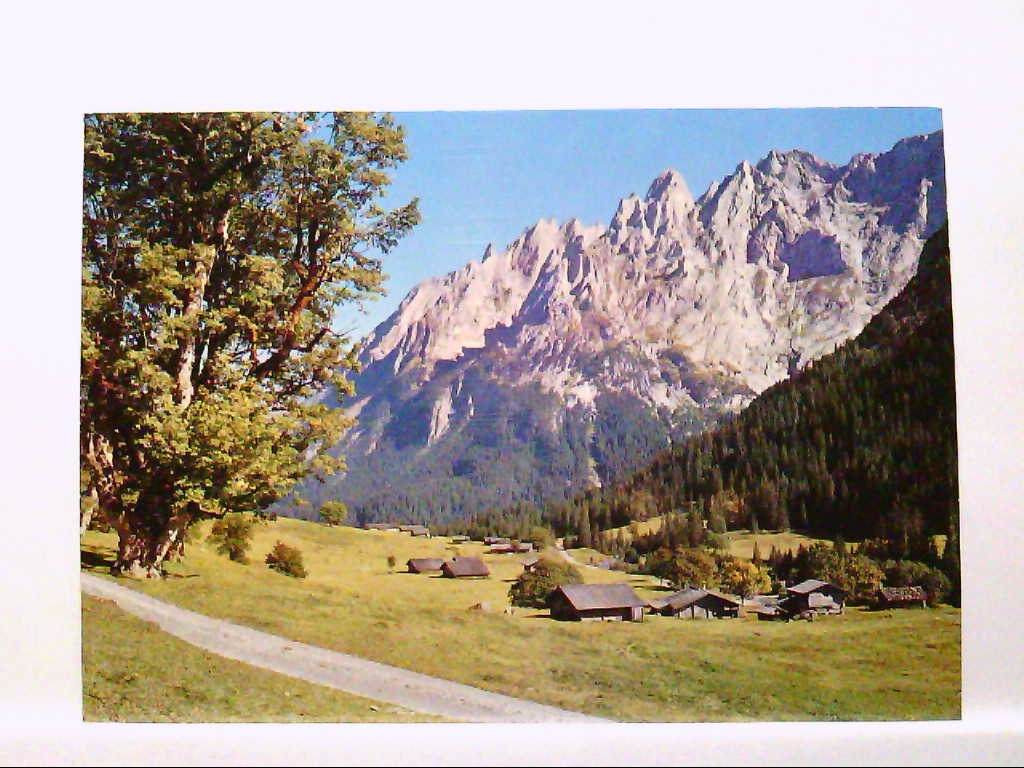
{"x": 60, "y": 62}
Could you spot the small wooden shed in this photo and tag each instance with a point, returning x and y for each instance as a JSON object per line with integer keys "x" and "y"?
{"x": 691, "y": 603}
{"x": 489, "y": 540}
{"x": 464, "y": 567}
{"x": 814, "y": 595}
{"x": 424, "y": 564}
{"x": 606, "y": 602}
{"x": 459, "y": 539}
{"x": 419, "y": 530}
{"x": 901, "y": 597}
{"x": 529, "y": 561}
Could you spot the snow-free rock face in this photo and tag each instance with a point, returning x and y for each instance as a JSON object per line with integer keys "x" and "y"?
{"x": 679, "y": 303}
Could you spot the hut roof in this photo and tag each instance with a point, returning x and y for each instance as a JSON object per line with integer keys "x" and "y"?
{"x": 379, "y": 526}
{"x": 405, "y": 528}
{"x": 898, "y": 594}
{"x": 585, "y": 597}
{"x": 812, "y": 585}
{"x": 465, "y": 566}
{"x": 530, "y": 560}
{"x": 418, "y": 530}
{"x": 500, "y": 548}
{"x": 425, "y": 564}
{"x": 684, "y": 598}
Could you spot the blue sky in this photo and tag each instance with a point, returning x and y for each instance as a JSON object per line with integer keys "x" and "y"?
{"x": 485, "y": 176}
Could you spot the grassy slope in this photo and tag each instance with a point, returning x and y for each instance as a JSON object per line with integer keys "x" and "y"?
{"x": 741, "y": 543}
{"x": 903, "y": 665}
{"x": 134, "y": 672}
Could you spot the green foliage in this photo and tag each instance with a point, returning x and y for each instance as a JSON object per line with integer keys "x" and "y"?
{"x": 286, "y": 560}
{"x": 532, "y": 588}
{"x": 233, "y": 536}
{"x": 541, "y": 537}
{"x": 683, "y": 567}
{"x": 742, "y": 577}
{"x": 216, "y": 249}
{"x": 333, "y": 512}
{"x": 860, "y": 444}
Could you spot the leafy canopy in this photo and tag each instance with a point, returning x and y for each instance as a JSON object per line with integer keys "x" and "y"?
{"x": 216, "y": 248}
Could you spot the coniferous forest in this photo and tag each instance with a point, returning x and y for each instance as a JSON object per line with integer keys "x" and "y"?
{"x": 861, "y": 444}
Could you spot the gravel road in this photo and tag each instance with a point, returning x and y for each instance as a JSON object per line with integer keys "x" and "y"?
{"x": 381, "y": 682}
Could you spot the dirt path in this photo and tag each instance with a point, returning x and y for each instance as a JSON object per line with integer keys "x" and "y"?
{"x": 336, "y": 670}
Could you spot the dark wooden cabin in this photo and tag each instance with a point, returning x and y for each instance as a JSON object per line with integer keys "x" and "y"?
{"x": 814, "y": 595}
{"x": 464, "y": 567}
{"x": 901, "y": 597}
{"x": 608, "y": 602}
{"x": 529, "y": 561}
{"x": 693, "y": 603}
{"x": 424, "y": 564}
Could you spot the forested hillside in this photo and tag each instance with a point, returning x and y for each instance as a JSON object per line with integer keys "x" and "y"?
{"x": 861, "y": 444}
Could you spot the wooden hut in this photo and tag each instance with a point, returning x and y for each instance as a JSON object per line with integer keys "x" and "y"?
{"x": 529, "y": 561}
{"x": 424, "y": 564}
{"x": 814, "y": 595}
{"x": 381, "y": 527}
{"x": 607, "y": 602}
{"x": 419, "y": 530}
{"x": 901, "y": 597}
{"x": 489, "y": 540}
{"x": 464, "y": 567}
{"x": 693, "y": 603}
{"x": 460, "y": 539}
{"x": 524, "y": 546}
{"x": 501, "y": 549}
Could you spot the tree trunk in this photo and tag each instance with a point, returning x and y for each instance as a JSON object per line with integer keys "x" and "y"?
{"x": 146, "y": 539}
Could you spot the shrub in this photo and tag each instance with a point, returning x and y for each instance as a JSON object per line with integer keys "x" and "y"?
{"x": 532, "y": 588}
{"x": 233, "y": 536}
{"x": 287, "y": 560}
{"x": 333, "y": 512}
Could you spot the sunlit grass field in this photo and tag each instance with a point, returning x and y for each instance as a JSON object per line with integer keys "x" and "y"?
{"x": 859, "y": 666}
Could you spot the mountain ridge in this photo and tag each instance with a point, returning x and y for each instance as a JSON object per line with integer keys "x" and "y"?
{"x": 685, "y": 308}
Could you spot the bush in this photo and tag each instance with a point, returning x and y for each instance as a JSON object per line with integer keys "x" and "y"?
{"x": 333, "y": 512}
{"x": 287, "y": 560}
{"x": 532, "y": 588}
{"x": 233, "y": 536}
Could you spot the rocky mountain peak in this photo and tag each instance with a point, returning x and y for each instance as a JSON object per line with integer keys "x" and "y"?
{"x": 681, "y": 306}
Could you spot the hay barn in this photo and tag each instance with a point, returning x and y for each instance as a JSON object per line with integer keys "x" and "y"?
{"x": 607, "y": 602}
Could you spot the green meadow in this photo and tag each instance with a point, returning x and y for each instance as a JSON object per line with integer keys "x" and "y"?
{"x": 135, "y": 672}
{"x": 863, "y": 665}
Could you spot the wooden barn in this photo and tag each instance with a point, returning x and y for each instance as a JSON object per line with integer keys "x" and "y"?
{"x": 424, "y": 564}
{"x": 606, "y": 602}
{"x": 464, "y": 567}
{"x": 693, "y": 603}
{"x": 489, "y": 540}
{"x": 529, "y": 561}
{"x": 501, "y": 549}
{"x": 814, "y": 595}
{"x": 419, "y": 530}
{"x": 901, "y": 597}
